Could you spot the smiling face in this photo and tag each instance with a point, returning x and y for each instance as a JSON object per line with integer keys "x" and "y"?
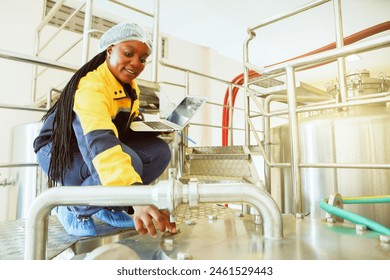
{"x": 127, "y": 60}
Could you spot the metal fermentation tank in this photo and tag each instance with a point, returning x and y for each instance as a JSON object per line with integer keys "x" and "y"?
{"x": 355, "y": 135}
{"x": 27, "y": 181}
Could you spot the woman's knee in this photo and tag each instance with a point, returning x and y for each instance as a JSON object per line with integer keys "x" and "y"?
{"x": 136, "y": 161}
{"x": 162, "y": 151}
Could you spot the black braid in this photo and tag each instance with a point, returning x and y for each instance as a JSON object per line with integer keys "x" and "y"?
{"x": 63, "y": 135}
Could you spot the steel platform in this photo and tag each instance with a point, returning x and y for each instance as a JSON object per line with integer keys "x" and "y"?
{"x": 60, "y": 244}
{"x": 224, "y": 234}
{"x": 208, "y": 232}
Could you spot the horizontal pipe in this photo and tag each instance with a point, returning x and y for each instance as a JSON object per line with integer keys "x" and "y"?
{"x": 358, "y": 36}
{"x": 172, "y": 84}
{"x": 164, "y": 63}
{"x": 288, "y": 14}
{"x": 346, "y": 165}
{"x": 37, "y": 219}
{"x": 359, "y": 47}
{"x": 132, "y": 8}
{"x": 12, "y": 165}
{"x": 213, "y": 126}
{"x": 163, "y": 195}
{"x": 249, "y": 193}
{"x": 280, "y": 97}
{"x": 225, "y": 106}
{"x": 36, "y": 60}
{"x": 346, "y": 104}
{"x": 25, "y": 108}
{"x": 326, "y": 105}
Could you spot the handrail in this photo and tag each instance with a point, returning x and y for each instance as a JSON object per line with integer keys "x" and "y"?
{"x": 165, "y": 63}
{"x": 229, "y": 107}
{"x": 359, "y": 47}
{"x": 132, "y": 8}
{"x": 288, "y": 14}
{"x": 25, "y": 108}
{"x": 11, "y": 165}
{"x": 289, "y": 68}
{"x": 36, "y": 60}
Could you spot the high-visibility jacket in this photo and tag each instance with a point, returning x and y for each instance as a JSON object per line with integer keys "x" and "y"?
{"x": 102, "y": 111}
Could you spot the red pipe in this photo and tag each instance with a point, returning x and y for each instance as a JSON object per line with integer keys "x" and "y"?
{"x": 239, "y": 80}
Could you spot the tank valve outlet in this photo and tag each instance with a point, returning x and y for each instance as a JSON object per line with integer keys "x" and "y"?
{"x": 384, "y": 238}
{"x": 257, "y": 219}
{"x": 239, "y": 214}
{"x": 360, "y": 229}
{"x": 190, "y": 222}
{"x": 183, "y": 256}
{"x": 168, "y": 241}
{"x": 212, "y": 217}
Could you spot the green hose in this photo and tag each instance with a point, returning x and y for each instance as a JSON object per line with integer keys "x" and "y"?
{"x": 354, "y": 218}
{"x": 366, "y": 199}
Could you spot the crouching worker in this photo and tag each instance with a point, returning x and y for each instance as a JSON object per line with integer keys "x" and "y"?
{"x": 86, "y": 140}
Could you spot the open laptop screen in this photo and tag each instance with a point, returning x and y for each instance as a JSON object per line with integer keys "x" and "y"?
{"x": 185, "y": 110}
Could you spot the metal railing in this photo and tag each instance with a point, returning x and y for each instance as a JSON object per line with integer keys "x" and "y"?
{"x": 288, "y": 69}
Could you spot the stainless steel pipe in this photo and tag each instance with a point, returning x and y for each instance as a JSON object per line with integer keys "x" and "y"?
{"x": 37, "y": 219}
{"x": 164, "y": 195}
{"x": 260, "y": 199}
{"x": 36, "y": 61}
{"x": 359, "y": 47}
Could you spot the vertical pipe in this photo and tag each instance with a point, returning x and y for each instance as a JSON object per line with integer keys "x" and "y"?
{"x": 35, "y": 69}
{"x": 230, "y": 124}
{"x": 267, "y": 140}
{"x": 340, "y": 43}
{"x": 37, "y": 45}
{"x": 86, "y": 33}
{"x": 187, "y": 92}
{"x": 156, "y": 40}
{"x": 184, "y": 135}
{"x": 247, "y": 108}
{"x": 252, "y": 35}
{"x": 294, "y": 139}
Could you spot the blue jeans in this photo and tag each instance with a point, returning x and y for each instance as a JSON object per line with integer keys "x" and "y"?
{"x": 149, "y": 156}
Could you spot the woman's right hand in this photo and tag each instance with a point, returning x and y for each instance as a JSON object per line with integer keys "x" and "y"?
{"x": 144, "y": 216}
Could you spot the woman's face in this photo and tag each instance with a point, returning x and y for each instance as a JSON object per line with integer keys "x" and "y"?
{"x": 127, "y": 60}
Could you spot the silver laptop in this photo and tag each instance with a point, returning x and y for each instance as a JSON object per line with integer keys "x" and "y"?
{"x": 177, "y": 120}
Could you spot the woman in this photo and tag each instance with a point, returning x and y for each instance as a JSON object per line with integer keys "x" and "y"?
{"x": 85, "y": 139}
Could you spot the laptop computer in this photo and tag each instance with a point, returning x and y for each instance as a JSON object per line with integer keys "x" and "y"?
{"x": 176, "y": 120}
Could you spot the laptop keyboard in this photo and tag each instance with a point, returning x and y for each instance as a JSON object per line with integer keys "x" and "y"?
{"x": 158, "y": 125}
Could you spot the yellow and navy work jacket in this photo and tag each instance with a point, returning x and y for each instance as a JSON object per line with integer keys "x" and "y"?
{"x": 102, "y": 111}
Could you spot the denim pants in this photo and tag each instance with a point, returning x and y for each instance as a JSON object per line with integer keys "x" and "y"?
{"x": 149, "y": 156}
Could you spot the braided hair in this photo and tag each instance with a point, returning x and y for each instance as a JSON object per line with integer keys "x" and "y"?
{"x": 63, "y": 135}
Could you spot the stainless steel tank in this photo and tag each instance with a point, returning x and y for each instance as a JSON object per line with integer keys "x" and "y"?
{"x": 357, "y": 135}
{"x": 27, "y": 181}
